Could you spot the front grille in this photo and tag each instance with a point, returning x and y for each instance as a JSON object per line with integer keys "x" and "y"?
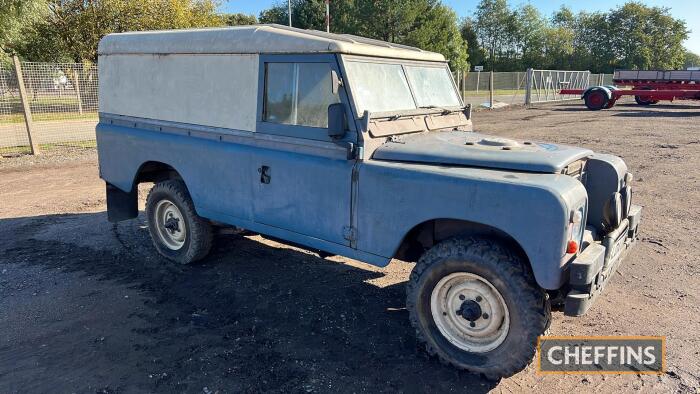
{"x": 576, "y": 169}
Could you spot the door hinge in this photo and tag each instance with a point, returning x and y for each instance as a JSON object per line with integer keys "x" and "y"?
{"x": 349, "y": 233}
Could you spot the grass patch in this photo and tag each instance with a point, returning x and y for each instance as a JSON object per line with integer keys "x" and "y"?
{"x": 44, "y": 101}
{"x": 25, "y": 150}
{"x": 497, "y": 92}
{"x": 48, "y": 116}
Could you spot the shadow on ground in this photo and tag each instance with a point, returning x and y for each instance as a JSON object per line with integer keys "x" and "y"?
{"x": 649, "y": 113}
{"x": 90, "y": 307}
{"x": 639, "y": 111}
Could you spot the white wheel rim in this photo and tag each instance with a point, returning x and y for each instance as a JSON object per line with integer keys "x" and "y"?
{"x": 170, "y": 225}
{"x": 455, "y": 303}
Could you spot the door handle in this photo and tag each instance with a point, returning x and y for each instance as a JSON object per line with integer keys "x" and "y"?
{"x": 264, "y": 174}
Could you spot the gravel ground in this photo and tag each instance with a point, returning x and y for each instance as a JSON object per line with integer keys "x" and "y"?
{"x": 87, "y": 306}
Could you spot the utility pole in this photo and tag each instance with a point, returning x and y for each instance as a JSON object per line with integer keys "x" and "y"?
{"x": 289, "y": 11}
{"x": 328, "y": 16}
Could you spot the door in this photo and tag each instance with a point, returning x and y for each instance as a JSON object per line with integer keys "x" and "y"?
{"x": 304, "y": 178}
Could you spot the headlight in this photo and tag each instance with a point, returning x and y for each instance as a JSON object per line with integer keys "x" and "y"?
{"x": 576, "y": 228}
{"x": 577, "y": 225}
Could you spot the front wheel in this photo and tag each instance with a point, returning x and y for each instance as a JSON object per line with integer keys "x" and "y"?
{"x": 178, "y": 233}
{"x": 475, "y": 305}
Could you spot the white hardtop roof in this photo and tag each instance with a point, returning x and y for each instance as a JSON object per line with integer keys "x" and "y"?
{"x": 255, "y": 39}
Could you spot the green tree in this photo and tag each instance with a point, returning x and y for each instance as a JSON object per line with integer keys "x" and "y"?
{"x": 592, "y": 44}
{"x": 531, "y": 36}
{"x": 14, "y": 16}
{"x": 691, "y": 59}
{"x": 494, "y": 27}
{"x": 564, "y": 17}
{"x": 558, "y": 48}
{"x": 72, "y": 29}
{"x": 306, "y": 14}
{"x": 436, "y": 30}
{"x": 476, "y": 54}
{"x": 646, "y": 37}
{"x": 427, "y": 24}
{"x": 239, "y": 19}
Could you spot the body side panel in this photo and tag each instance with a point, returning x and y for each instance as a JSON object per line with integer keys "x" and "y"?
{"x": 210, "y": 90}
{"x": 220, "y": 169}
{"x": 218, "y": 174}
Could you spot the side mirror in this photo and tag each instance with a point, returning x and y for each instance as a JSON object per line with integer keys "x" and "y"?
{"x": 468, "y": 111}
{"x": 336, "y": 120}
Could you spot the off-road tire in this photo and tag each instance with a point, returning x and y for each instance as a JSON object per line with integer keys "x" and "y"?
{"x": 527, "y": 303}
{"x": 199, "y": 232}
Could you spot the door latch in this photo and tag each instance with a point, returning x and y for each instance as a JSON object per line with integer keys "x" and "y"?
{"x": 264, "y": 174}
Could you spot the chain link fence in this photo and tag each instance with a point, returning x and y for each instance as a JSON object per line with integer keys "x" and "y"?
{"x": 602, "y": 79}
{"x": 61, "y": 99}
{"x": 511, "y": 88}
{"x": 508, "y": 88}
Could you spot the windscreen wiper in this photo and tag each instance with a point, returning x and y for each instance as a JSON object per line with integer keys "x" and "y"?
{"x": 445, "y": 111}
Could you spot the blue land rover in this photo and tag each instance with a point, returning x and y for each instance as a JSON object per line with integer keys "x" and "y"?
{"x": 361, "y": 148}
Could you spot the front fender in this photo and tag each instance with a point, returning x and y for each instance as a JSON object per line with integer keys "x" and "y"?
{"x": 533, "y": 209}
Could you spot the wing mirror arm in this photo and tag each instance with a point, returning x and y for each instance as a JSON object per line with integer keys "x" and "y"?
{"x": 335, "y": 82}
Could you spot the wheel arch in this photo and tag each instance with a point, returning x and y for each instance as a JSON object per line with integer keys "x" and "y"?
{"x": 154, "y": 171}
{"x": 430, "y": 232}
{"x": 123, "y": 204}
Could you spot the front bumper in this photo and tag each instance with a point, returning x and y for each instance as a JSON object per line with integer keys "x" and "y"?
{"x": 597, "y": 263}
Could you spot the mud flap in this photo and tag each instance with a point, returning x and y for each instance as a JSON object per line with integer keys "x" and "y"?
{"x": 121, "y": 205}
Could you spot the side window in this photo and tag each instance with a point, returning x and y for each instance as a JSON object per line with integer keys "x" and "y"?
{"x": 298, "y": 94}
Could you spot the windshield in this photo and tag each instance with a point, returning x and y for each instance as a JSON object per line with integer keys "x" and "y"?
{"x": 384, "y": 87}
{"x": 432, "y": 86}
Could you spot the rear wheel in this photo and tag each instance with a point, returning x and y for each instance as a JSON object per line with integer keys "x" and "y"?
{"x": 475, "y": 305}
{"x": 178, "y": 233}
{"x": 596, "y": 100}
{"x": 645, "y": 100}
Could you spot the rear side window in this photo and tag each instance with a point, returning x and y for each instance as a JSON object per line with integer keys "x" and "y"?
{"x": 298, "y": 94}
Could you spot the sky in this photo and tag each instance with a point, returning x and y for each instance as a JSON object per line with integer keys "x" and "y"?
{"x": 688, "y": 10}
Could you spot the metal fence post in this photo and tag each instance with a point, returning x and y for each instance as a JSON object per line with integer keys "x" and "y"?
{"x": 491, "y": 87}
{"x": 478, "y": 75}
{"x": 458, "y": 81}
{"x": 528, "y": 86}
{"x": 76, "y": 85}
{"x": 463, "y": 92}
{"x": 25, "y": 106}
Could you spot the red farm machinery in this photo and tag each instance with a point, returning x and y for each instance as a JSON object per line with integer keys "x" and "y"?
{"x": 647, "y": 86}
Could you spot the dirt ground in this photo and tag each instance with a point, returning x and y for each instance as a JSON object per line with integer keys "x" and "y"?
{"x": 87, "y": 306}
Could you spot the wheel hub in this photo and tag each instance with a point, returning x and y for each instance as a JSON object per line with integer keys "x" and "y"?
{"x": 469, "y": 310}
{"x": 170, "y": 225}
